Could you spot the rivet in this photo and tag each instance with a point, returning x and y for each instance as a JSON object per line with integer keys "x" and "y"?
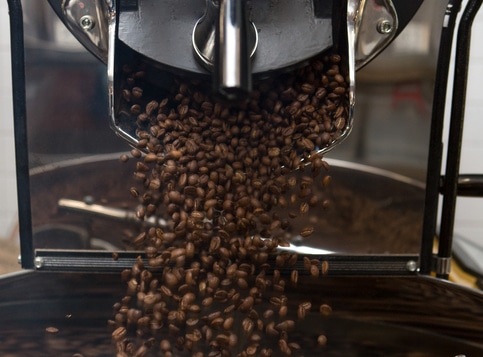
{"x": 87, "y": 22}
{"x": 384, "y": 27}
{"x": 39, "y": 262}
{"x": 411, "y": 265}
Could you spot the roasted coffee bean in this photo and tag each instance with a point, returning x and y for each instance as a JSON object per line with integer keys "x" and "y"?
{"x": 301, "y": 312}
{"x": 246, "y": 304}
{"x": 228, "y": 323}
{"x": 325, "y": 309}
{"x": 124, "y": 158}
{"x": 136, "y": 153}
{"x": 266, "y": 352}
{"x": 187, "y": 300}
{"x": 314, "y": 270}
{"x": 322, "y": 340}
{"x": 304, "y": 208}
{"x": 119, "y": 333}
{"x": 284, "y": 347}
{"x": 307, "y": 231}
{"x": 282, "y": 312}
{"x": 171, "y": 279}
{"x": 52, "y": 330}
{"x": 285, "y": 325}
{"x": 137, "y": 92}
{"x": 165, "y": 345}
{"x": 135, "y": 110}
{"x": 307, "y": 305}
{"x": 251, "y": 350}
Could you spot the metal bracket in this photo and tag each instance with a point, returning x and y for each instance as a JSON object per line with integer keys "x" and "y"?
{"x": 338, "y": 265}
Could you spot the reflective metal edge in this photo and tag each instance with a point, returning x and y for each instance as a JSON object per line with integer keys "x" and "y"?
{"x": 103, "y": 261}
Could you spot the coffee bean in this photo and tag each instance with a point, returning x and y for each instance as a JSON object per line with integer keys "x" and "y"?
{"x": 246, "y": 304}
{"x": 314, "y": 270}
{"x": 325, "y": 309}
{"x": 137, "y": 92}
{"x": 307, "y": 231}
{"x": 301, "y": 312}
{"x": 228, "y": 323}
{"x": 119, "y": 333}
{"x": 304, "y": 208}
{"x": 52, "y": 330}
{"x": 165, "y": 345}
{"x": 322, "y": 340}
{"x": 187, "y": 300}
{"x": 282, "y": 312}
{"x": 284, "y": 347}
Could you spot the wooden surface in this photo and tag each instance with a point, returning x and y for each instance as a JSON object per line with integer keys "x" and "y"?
{"x": 9, "y": 252}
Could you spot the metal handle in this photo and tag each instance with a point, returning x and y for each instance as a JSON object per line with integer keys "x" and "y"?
{"x": 232, "y": 72}
{"x": 106, "y": 212}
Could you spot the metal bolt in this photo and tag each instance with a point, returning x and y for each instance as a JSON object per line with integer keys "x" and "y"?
{"x": 297, "y": 240}
{"x": 411, "y": 265}
{"x": 87, "y": 22}
{"x": 384, "y": 27}
{"x": 39, "y": 262}
{"x": 88, "y": 200}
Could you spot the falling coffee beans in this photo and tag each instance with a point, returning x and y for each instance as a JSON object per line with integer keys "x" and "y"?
{"x": 210, "y": 282}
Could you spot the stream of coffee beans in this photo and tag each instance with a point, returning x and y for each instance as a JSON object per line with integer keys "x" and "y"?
{"x": 212, "y": 282}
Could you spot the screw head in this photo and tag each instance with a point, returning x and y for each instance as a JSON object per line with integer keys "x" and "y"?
{"x": 384, "y": 27}
{"x": 39, "y": 262}
{"x": 88, "y": 200}
{"x": 412, "y": 266}
{"x": 87, "y": 22}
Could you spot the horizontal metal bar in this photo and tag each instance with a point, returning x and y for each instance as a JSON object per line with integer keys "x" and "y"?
{"x": 106, "y": 212}
{"x": 103, "y": 261}
{"x": 469, "y": 185}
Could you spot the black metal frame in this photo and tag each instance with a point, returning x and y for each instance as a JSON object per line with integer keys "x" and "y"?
{"x": 20, "y": 127}
{"x": 450, "y": 185}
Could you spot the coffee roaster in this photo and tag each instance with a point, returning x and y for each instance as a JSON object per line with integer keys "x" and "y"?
{"x": 386, "y": 263}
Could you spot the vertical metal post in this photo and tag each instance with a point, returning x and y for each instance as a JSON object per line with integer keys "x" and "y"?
{"x": 450, "y": 186}
{"x": 435, "y": 154}
{"x": 20, "y": 132}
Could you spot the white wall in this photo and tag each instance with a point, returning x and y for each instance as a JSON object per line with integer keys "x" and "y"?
{"x": 469, "y": 211}
{"x": 8, "y": 190}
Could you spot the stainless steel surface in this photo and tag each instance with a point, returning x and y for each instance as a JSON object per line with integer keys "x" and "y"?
{"x": 106, "y": 212}
{"x": 88, "y": 21}
{"x": 371, "y": 316}
{"x": 377, "y": 26}
{"x": 281, "y": 25}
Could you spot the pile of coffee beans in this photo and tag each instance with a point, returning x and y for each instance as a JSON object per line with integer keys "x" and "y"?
{"x": 212, "y": 281}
